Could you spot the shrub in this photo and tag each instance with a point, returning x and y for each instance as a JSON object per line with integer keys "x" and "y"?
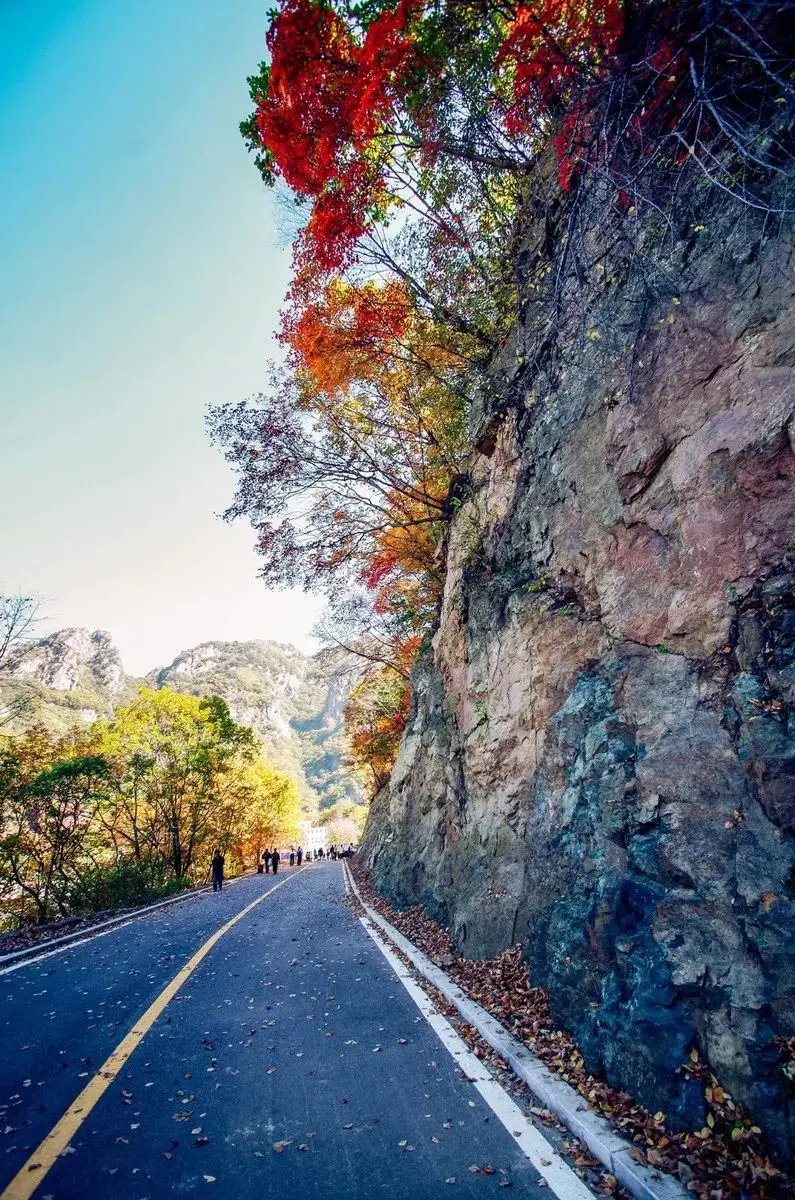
{"x": 125, "y": 886}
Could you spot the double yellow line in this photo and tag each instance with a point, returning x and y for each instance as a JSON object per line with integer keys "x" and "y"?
{"x": 30, "y": 1175}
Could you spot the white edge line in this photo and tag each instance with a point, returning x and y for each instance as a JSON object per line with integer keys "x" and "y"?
{"x": 31, "y": 962}
{"x": 613, "y": 1151}
{"x": 535, "y": 1147}
{"x": 80, "y": 937}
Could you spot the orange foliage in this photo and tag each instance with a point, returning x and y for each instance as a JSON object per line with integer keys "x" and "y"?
{"x": 375, "y": 718}
{"x": 347, "y": 333}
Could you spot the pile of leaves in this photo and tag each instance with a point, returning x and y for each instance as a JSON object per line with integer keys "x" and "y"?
{"x": 723, "y": 1160}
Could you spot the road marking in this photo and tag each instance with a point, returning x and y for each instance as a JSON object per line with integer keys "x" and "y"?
{"x": 558, "y": 1174}
{"x": 73, "y": 940}
{"x": 30, "y": 962}
{"x": 31, "y": 1174}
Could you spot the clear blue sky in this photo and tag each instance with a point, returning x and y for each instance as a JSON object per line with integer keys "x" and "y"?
{"x": 142, "y": 273}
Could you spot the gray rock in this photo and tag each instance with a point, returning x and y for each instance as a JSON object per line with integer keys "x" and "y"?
{"x": 600, "y": 758}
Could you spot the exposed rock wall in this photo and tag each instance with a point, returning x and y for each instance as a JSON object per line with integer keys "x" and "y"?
{"x": 600, "y": 760}
{"x": 71, "y": 659}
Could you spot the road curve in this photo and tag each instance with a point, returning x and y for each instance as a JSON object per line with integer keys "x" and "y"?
{"x": 290, "y": 1060}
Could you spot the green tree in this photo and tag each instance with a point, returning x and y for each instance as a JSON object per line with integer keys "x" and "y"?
{"x": 175, "y": 763}
{"x": 269, "y": 812}
{"x": 50, "y": 792}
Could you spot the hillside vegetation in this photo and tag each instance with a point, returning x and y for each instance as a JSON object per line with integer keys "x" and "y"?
{"x": 133, "y": 807}
{"x": 293, "y": 701}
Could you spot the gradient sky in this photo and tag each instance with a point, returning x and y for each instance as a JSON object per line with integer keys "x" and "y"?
{"x": 142, "y": 273}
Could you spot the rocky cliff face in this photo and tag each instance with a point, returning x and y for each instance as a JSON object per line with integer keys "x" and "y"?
{"x": 600, "y": 761}
{"x": 71, "y": 659}
{"x": 69, "y": 678}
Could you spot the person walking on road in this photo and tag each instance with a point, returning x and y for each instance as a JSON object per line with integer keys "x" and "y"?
{"x": 218, "y": 871}
{"x": 276, "y": 858}
{"x": 292, "y": 856}
{"x": 266, "y": 858}
{"x": 300, "y": 854}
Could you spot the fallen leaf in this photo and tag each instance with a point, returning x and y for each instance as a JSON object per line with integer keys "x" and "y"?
{"x": 279, "y": 1146}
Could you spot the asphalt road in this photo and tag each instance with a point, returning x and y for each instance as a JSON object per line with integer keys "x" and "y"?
{"x": 293, "y": 1029}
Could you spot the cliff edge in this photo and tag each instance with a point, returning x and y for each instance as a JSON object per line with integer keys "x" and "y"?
{"x": 600, "y": 758}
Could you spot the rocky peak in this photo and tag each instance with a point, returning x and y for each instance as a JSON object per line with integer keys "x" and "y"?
{"x": 71, "y": 659}
{"x": 294, "y": 701}
{"x": 262, "y": 682}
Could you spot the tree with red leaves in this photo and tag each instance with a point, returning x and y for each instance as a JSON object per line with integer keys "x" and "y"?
{"x": 345, "y": 466}
{"x": 424, "y": 137}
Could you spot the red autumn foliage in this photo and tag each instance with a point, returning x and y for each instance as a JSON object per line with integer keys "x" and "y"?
{"x": 417, "y": 133}
{"x": 552, "y": 45}
{"x": 329, "y": 97}
{"x": 347, "y": 332}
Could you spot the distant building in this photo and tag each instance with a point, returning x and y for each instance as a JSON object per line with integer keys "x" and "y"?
{"x": 312, "y": 836}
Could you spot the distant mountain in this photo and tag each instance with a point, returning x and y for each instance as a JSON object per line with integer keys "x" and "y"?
{"x": 294, "y": 701}
{"x": 70, "y": 678}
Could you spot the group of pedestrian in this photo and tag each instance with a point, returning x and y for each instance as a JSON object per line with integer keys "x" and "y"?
{"x": 271, "y": 858}
{"x": 299, "y": 855}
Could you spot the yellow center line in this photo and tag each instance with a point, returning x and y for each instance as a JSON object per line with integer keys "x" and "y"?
{"x": 31, "y": 1174}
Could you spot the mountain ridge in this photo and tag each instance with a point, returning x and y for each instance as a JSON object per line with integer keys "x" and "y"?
{"x": 293, "y": 701}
